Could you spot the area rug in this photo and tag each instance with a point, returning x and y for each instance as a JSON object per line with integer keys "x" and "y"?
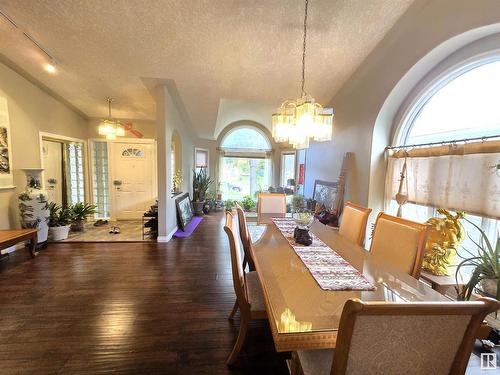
{"x": 189, "y": 228}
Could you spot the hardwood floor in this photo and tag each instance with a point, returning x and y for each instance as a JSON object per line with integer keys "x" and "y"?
{"x": 127, "y": 308}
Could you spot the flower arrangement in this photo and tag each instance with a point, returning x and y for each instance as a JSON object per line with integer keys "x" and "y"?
{"x": 177, "y": 181}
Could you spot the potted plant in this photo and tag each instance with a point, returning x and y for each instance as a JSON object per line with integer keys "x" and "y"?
{"x": 248, "y": 203}
{"x": 80, "y": 211}
{"x": 486, "y": 269}
{"x": 229, "y": 204}
{"x": 201, "y": 183}
{"x": 59, "y": 221}
{"x": 297, "y": 202}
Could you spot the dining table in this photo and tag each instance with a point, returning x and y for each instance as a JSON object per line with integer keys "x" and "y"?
{"x": 301, "y": 314}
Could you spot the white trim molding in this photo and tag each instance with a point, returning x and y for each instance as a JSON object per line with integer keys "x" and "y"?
{"x": 168, "y": 237}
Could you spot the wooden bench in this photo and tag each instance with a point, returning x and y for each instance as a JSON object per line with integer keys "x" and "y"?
{"x": 11, "y": 237}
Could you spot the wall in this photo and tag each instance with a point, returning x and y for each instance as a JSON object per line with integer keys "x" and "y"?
{"x": 30, "y": 110}
{"x": 367, "y": 104}
{"x": 170, "y": 119}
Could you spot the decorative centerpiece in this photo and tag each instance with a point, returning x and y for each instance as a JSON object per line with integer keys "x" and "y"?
{"x": 33, "y": 205}
{"x": 445, "y": 236}
{"x": 301, "y": 234}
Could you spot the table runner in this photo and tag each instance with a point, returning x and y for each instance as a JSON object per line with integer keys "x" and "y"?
{"x": 328, "y": 268}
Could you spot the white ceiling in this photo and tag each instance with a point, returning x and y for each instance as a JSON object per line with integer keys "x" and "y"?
{"x": 214, "y": 50}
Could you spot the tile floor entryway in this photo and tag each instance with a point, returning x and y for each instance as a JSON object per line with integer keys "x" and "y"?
{"x": 130, "y": 231}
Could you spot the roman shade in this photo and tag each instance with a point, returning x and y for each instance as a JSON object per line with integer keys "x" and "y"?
{"x": 460, "y": 177}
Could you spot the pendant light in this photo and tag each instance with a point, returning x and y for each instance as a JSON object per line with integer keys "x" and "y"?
{"x": 111, "y": 128}
{"x": 298, "y": 120}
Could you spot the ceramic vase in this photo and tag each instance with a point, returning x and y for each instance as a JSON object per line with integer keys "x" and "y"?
{"x": 33, "y": 205}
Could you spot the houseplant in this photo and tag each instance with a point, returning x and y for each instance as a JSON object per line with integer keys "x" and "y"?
{"x": 247, "y": 203}
{"x": 59, "y": 221}
{"x": 80, "y": 211}
{"x": 201, "y": 183}
{"x": 229, "y": 205}
{"x": 486, "y": 268}
{"x": 177, "y": 182}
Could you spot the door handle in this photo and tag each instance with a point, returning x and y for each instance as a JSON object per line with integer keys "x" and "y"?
{"x": 117, "y": 182}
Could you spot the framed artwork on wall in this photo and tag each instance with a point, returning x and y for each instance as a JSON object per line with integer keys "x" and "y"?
{"x": 184, "y": 210}
{"x": 6, "y": 176}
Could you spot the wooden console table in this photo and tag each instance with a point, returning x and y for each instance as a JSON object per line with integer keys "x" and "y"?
{"x": 9, "y": 238}
{"x": 439, "y": 283}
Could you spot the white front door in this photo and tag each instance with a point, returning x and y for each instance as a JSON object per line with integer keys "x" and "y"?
{"x": 132, "y": 182}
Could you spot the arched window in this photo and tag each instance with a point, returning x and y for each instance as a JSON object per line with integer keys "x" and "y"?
{"x": 245, "y": 138}
{"x": 442, "y": 173}
{"x": 245, "y": 164}
{"x": 463, "y": 105}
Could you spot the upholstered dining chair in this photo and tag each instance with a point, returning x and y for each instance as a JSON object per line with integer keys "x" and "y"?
{"x": 245, "y": 238}
{"x": 411, "y": 338}
{"x": 249, "y": 296}
{"x": 353, "y": 224}
{"x": 271, "y": 203}
{"x": 400, "y": 242}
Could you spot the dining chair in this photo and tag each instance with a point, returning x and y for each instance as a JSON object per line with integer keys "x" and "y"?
{"x": 353, "y": 224}
{"x": 400, "y": 242}
{"x": 245, "y": 238}
{"x": 249, "y": 296}
{"x": 271, "y": 203}
{"x": 410, "y": 338}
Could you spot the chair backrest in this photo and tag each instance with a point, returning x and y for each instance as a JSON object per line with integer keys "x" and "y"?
{"x": 271, "y": 203}
{"x": 400, "y": 242}
{"x": 353, "y": 224}
{"x": 236, "y": 262}
{"x": 245, "y": 238}
{"x": 244, "y": 235}
{"x": 408, "y": 338}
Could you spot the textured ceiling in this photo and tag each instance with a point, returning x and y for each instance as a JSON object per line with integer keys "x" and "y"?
{"x": 212, "y": 50}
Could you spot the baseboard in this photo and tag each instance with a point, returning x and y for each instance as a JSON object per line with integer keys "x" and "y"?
{"x": 168, "y": 237}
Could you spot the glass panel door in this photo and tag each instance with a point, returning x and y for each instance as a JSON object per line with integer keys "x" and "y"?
{"x": 244, "y": 176}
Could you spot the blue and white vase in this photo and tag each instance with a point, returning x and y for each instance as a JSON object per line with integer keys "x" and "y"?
{"x": 33, "y": 205}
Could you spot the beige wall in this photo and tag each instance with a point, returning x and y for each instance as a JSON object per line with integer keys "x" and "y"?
{"x": 170, "y": 119}
{"x": 30, "y": 110}
{"x": 426, "y": 34}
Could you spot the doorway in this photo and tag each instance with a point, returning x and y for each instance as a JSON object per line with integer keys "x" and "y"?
{"x": 63, "y": 161}
{"x": 132, "y": 172}
{"x": 123, "y": 177}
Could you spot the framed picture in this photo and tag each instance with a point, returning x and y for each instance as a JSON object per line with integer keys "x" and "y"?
{"x": 184, "y": 211}
{"x": 6, "y": 176}
{"x": 324, "y": 193}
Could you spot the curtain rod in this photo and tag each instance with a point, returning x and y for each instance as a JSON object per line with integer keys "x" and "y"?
{"x": 444, "y": 142}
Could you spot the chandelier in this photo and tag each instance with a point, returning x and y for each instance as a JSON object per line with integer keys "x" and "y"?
{"x": 299, "y": 120}
{"x": 111, "y": 128}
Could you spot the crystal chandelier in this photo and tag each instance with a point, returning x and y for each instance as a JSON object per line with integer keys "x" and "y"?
{"x": 111, "y": 128}
{"x": 297, "y": 121}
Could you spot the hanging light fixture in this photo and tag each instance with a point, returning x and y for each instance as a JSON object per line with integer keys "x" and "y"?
{"x": 297, "y": 121}
{"x": 111, "y": 128}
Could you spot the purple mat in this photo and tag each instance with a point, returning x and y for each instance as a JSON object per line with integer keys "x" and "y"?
{"x": 190, "y": 228}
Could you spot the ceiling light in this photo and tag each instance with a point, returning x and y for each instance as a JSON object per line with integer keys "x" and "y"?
{"x": 298, "y": 120}
{"x": 51, "y": 67}
{"x": 111, "y": 128}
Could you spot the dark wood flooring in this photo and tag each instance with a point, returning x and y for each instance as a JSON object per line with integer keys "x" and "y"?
{"x": 127, "y": 308}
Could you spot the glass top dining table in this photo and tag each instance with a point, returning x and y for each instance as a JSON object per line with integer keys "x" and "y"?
{"x": 301, "y": 314}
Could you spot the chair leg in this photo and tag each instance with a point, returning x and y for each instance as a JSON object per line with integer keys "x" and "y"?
{"x": 235, "y": 309}
{"x": 239, "y": 341}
